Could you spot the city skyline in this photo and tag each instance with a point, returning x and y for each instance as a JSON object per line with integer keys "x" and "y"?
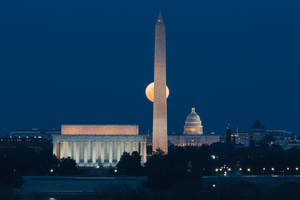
{"x": 57, "y": 68}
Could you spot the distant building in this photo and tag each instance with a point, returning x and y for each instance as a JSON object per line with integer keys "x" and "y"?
{"x": 35, "y": 144}
{"x": 34, "y": 139}
{"x": 98, "y": 145}
{"x": 193, "y": 133}
{"x": 257, "y": 131}
{"x": 34, "y": 133}
{"x": 241, "y": 138}
{"x": 258, "y": 134}
{"x": 193, "y": 124}
{"x": 192, "y": 140}
{"x": 228, "y": 136}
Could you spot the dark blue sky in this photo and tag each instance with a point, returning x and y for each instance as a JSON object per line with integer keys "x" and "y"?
{"x": 81, "y": 61}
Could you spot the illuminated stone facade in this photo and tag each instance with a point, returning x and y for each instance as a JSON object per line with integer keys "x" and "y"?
{"x": 159, "y": 135}
{"x": 100, "y": 129}
{"x": 193, "y": 133}
{"x": 95, "y": 149}
{"x": 192, "y": 140}
{"x": 193, "y": 124}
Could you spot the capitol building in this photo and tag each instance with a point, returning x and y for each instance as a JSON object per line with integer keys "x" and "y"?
{"x": 193, "y": 124}
{"x": 193, "y": 133}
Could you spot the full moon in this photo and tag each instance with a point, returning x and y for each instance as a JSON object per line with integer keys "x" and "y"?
{"x": 150, "y": 92}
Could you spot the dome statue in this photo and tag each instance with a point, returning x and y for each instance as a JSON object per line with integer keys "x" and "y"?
{"x": 193, "y": 124}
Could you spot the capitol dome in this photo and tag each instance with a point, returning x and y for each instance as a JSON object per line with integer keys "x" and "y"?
{"x": 193, "y": 124}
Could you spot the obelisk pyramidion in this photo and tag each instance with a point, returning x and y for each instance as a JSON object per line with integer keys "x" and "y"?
{"x": 159, "y": 134}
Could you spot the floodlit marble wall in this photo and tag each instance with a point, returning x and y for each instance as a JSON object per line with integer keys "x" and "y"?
{"x": 99, "y": 129}
{"x": 98, "y": 150}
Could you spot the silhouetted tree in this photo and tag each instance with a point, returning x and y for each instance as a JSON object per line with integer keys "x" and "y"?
{"x": 67, "y": 166}
{"x": 130, "y": 164}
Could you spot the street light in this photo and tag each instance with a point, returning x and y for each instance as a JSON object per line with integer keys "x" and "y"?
{"x": 248, "y": 170}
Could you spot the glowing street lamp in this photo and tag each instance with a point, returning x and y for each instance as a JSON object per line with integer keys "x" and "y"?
{"x": 249, "y": 170}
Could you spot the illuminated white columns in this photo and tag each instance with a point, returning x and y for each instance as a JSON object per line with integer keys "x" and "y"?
{"x": 119, "y": 151}
{"x": 93, "y": 150}
{"x": 110, "y": 147}
{"x": 102, "y": 153}
{"x": 85, "y": 152}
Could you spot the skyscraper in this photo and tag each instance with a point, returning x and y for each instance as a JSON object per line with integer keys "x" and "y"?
{"x": 159, "y": 138}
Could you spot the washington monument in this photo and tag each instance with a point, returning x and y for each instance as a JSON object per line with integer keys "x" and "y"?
{"x": 159, "y": 137}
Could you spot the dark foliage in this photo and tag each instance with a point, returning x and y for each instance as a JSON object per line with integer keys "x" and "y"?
{"x": 22, "y": 161}
{"x": 130, "y": 165}
{"x": 67, "y": 167}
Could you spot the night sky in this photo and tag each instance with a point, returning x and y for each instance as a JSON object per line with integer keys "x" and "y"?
{"x": 89, "y": 62}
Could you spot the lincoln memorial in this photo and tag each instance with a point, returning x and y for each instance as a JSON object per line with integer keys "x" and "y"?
{"x": 98, "y": 145}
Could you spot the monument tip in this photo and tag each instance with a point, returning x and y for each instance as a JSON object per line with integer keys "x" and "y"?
{"x": 159, "y": 18}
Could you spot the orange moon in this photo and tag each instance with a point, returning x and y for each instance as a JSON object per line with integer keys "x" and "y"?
{"x": 150, "y": 92}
